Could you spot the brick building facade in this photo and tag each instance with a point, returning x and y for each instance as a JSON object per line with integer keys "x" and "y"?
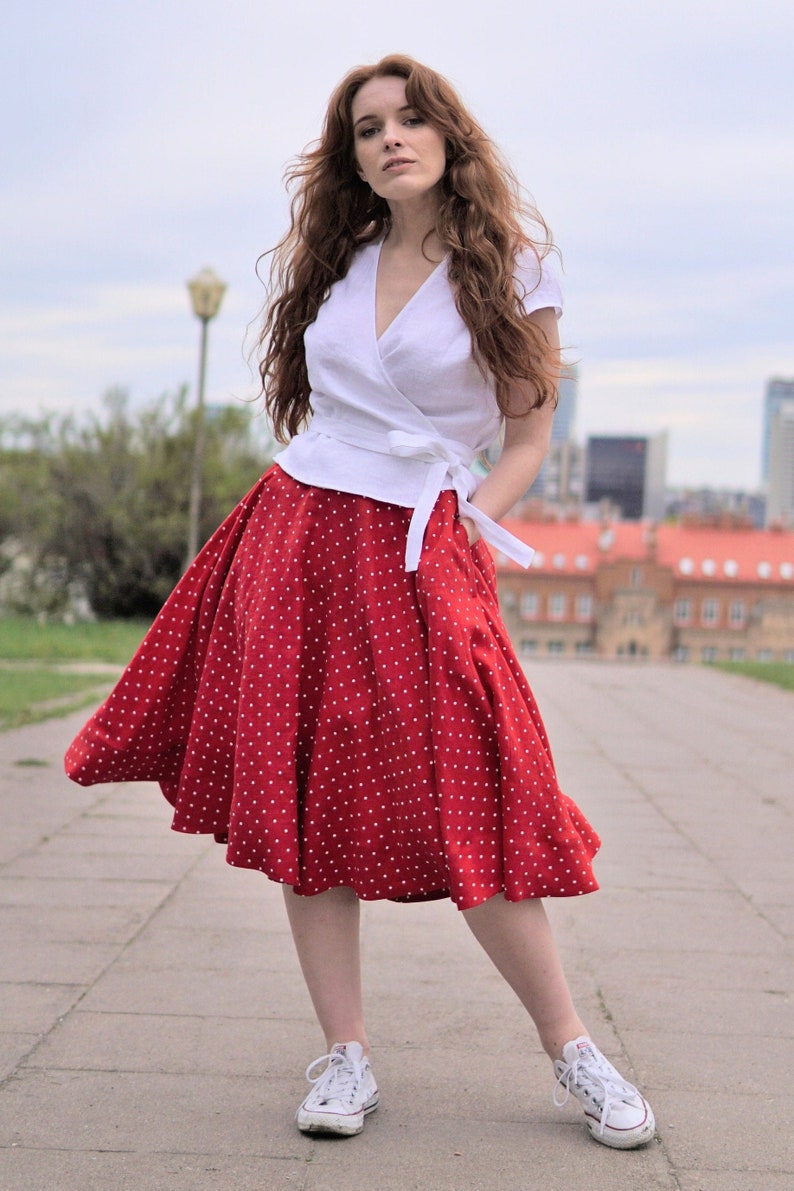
{"x": 629, "y": 589}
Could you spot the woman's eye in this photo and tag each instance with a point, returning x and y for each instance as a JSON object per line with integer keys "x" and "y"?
{"x": 366, "y": 132}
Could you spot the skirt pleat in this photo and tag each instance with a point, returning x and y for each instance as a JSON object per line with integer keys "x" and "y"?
{"x": 338, "y": 721}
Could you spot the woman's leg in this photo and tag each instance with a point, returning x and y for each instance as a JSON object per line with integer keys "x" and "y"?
{"x": 517, "y": 937}
{"x": 325, "y": 928}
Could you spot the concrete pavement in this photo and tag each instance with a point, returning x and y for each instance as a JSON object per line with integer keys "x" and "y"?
{"x": 155, "y": 1027}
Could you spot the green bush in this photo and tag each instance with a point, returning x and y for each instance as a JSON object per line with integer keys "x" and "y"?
{"x": 98, "y": 508}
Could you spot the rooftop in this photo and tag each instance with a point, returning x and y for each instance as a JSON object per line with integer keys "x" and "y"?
{"x": 697, "y": 552}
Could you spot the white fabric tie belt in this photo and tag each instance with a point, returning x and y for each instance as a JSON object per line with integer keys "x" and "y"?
{"x": 445, "y": 457}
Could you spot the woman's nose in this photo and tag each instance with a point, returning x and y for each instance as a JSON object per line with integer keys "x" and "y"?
{"x": 391, "y": 136}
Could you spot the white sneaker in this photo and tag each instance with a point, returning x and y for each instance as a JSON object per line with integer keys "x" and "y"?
{"x": 616, "y": 1113}
{"x": 343, "y": 1093}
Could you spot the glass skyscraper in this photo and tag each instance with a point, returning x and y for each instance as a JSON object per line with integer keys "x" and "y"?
{"x": 629, "y": 472}
{"x": 778, "y": 391}
{"x": 563, "y": 424}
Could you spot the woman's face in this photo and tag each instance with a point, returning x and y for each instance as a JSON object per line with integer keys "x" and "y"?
{"x": 397, "y": 152}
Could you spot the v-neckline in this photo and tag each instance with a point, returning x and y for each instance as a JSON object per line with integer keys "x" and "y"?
{"x": 379, "y": 338}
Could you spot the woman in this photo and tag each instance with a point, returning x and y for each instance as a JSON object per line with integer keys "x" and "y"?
{"x": 330, "y": 688}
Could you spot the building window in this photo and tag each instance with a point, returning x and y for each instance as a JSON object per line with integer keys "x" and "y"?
{"x": 764, "y": 655}
{"x": 556, "y": 647}
{"x": 636, "y": 577}
{"x": 584, "y": 607}
{"x": 737, "y": 614}
{"x": 788, "y": 656}
{"x": 709, "y": 612}
{"x": 507, "y": 598}
{"x": 682, "y": 612}
{"x": 529, "y": 605}
{"x": 557, "y": 604}
{"x": 584, "y": 648}
{"x": 736, "y": 655}
{"x": 681, "y": 653}
{"x": 527, "y": 647}
{"x": 708, "y": 654}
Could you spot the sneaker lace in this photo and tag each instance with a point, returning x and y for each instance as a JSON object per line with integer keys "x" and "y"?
{"x": 339, "y": 1079}
{"x": 605, "y": 1085}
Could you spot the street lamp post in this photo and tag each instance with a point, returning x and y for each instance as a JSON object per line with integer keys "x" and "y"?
{"x": 206, "y": 292}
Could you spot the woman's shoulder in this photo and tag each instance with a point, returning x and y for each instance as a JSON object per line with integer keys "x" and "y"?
{"x": 354, "y": 275}
{"x": 538, "y": 279}
{"x": 359, "y": 263}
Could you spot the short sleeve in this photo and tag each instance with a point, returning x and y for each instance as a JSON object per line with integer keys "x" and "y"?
{"x": 538, "y": 282}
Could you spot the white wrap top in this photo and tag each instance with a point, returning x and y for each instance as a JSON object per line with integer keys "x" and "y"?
{"x": 401, "y": 417}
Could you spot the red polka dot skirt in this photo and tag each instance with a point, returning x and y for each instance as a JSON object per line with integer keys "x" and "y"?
{"x": 336, "y": 720}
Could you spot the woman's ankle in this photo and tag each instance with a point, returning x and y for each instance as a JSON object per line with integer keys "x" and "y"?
{"x": 356, "y": 1036}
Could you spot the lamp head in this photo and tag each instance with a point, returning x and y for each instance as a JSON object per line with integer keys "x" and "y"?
{"x": 206, "y": 292}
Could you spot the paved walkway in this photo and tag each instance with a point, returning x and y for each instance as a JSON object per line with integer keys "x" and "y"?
{"x": 155, "y": 1027}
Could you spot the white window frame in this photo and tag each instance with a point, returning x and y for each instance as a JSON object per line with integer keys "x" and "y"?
{"x": 737, "y": 614}
{"x": 529, "y": 605}
{"x": 584, "y": 606}
{"x": 709, "y": 612}
{"x": 558, "y": 605}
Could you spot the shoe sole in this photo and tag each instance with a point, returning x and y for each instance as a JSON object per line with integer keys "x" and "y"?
{"x": 315, "y": 1122}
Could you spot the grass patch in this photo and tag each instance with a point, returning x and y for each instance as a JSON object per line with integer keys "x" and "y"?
{"x": 24, "y": 639}
{"x": 37, "y": 678}
{"x": 779, "y": 673}
{"x": 30, "y": 694}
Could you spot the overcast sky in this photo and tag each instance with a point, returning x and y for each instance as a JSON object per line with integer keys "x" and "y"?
{"x": 143, "y": 141}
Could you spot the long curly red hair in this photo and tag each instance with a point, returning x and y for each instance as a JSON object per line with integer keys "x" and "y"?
{"x": 482, "y": 222}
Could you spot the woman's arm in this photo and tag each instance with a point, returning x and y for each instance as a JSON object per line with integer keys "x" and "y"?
{"x": 525, "y": 445}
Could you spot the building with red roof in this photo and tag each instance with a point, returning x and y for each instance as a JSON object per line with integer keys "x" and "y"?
{"x": 638, "y": 589}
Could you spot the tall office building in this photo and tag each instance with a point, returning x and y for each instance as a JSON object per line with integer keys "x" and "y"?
{"x": 780, "y": 488}
{"x": 563, "y": 479}
{"x": 629, "y": 472}
{"x": 565, "y": 413}
{"x": 778, "y": 390}
{"x": 561, "y": 432}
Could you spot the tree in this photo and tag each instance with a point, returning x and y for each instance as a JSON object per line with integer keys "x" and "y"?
{"x": 102, "y": 502}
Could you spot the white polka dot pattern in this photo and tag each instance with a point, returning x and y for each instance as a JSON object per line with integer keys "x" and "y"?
{"x": 339, "y": 721}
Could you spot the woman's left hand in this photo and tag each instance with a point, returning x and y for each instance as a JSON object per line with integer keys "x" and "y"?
{"x": 472, "y": 532}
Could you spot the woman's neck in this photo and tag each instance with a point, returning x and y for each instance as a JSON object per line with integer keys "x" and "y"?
{"x": 413, "y": 227}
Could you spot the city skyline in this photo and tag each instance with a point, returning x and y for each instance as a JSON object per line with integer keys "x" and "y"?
{"x": 149, "y": 143}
